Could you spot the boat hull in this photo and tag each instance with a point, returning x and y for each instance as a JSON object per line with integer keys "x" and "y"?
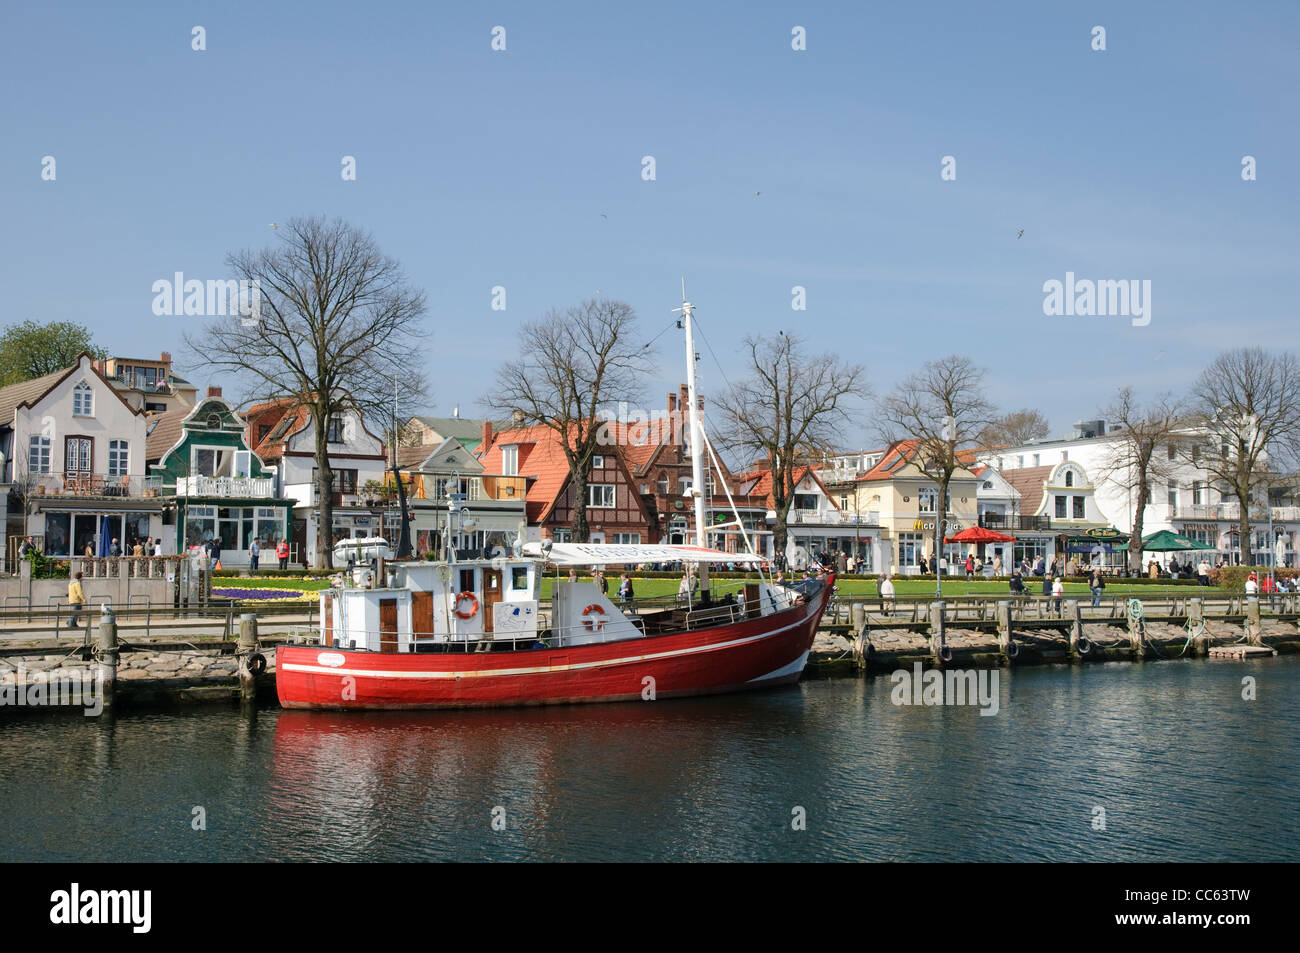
{"x": 740, "y": 656}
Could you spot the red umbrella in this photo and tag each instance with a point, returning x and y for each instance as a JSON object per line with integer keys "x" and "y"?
{"x": 978, "y": 534}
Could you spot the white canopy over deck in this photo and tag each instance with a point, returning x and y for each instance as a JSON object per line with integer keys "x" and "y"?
{"x": 610, "y": 554}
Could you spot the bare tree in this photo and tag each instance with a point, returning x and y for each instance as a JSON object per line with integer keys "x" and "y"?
{"x": 570, "y": 365}
{"x": 1015, "y": 429}
{"x": 335, "y": 328}
{"x": 943, "y": 407}
{"x": 1245, "y": 406}
{"x": 791, "y": 410}
{"x": 1144, "y": 452}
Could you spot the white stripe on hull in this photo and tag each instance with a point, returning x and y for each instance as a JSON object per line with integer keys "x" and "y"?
{"x": 547, "y": 669}
{"x": 794, "y": 668}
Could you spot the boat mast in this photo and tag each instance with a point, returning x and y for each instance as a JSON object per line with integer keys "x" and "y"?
{"x": 697, "y": 441}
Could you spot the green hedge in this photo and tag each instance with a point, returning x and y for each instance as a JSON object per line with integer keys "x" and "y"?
{"x": 1234, "y": 577}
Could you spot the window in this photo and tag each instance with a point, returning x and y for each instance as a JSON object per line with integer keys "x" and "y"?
{"x": 518, "y": 578}
{"x": 600, "y": 495}
{"x": 598, "y": 462}
{"x": 1060, "y": 507}
{"x": 564, "y": 535}
{"x": 909, "y": 548}
{"x": 510, "y": 460}
{"x": 1069, "y": 478}
{"x": 38, "y": 455}
{"x": 844, "y": 501}
{"x": 83, "y": 400}
{"x": 1198, "y": 493}
{"x": 214, "y": 421}
{"x": 628, "y": 539}
{"x": 1170, "y": 450}
{"x": 1078, "y": 508}
{"x": 1020, "y": 462}
{"x": 927, "y": 500}
{"x": 805, "y": 501}
{"x": 335, "y": 432}
{"x": 684, "y": 485}
{"x": 1035, "y": 459}
{"x": 662, "y": 483}
{"x": 262, "y": 431}
{"x": 342, "y": 481}
{"x": 118, "y": 458}
{"x": 1173, "y": 497}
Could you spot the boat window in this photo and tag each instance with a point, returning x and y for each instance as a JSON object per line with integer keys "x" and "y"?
{"x": 467, "y": 580}
{"x": 519, "y": 578}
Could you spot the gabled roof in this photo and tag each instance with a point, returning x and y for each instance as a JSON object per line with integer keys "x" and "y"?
{"x": 163, "y": 431}
{"x": 1028, "y": 482}
{"x": 759, "y": 483}
{"x": 460, "y": 427}
{"x": 899, "y": 453}
{"x": 285, "y": 416}
{"x": 32, "y": 392}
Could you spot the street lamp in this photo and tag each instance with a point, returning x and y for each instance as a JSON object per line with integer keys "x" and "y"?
{"x": 939, "y": 526}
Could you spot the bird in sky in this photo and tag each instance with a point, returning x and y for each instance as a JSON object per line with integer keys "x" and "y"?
{"x": 603, "y": 215}
{"x": 1021, "y": 232}
{"x": 275, "y": 225}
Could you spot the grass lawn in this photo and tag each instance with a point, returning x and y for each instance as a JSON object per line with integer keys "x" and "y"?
{"x": 269, "y": 582}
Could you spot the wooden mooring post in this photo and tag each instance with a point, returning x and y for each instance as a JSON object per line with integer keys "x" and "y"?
{"x": 939, "y": 650}
{"x": 106, "y": 652}
{"x": 1196, "y": 625}
{"x": 1079, "y": 645}
{"x": 1254, "y": 630}
{"x": 1005, "y": 642}
{"x": 251, "y": 662}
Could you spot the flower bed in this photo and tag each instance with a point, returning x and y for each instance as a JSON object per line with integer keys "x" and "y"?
{"x": 258, "y": 594}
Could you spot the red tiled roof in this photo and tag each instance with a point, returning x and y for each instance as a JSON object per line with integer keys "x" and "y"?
{"x": 544, "y": 461}
{"x": 895, "y": 454}
{"x": 284, "y": 416}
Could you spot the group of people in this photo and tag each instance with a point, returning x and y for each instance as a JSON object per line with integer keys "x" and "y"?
{"x": 255, "y": 554}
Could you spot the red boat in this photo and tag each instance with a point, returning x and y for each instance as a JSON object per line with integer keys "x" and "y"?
{"x": 472, "y": 634}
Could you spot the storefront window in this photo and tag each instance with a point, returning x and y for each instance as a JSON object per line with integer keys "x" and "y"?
{"x": 57, "y": 534}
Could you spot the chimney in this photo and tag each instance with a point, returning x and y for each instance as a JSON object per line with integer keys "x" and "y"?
{"x": 487, "y": 434}
{"x": 214, "y": 391}
{"x": 165, "y": 358}
{"x": 672, "y": 403}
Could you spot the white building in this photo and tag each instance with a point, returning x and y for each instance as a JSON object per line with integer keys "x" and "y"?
{"x": 73, "y": 455}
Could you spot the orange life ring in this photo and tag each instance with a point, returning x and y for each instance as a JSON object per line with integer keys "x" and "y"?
{"x": 593, "y": 625}
{"x": 473, "y": 605}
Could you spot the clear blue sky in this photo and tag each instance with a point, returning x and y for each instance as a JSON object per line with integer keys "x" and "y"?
{"x": 478, "y": 168}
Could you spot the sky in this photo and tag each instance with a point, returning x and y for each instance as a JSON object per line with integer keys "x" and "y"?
{"x": 774, "y": 168}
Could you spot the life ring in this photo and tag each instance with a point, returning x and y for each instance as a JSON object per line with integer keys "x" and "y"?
{"x": 473, "y": 600}
{"x": 256, "y": 663}
{"x": 593, "y": 625}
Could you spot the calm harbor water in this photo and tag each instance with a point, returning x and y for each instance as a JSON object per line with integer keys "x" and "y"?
{"x": 1184, "y": 768}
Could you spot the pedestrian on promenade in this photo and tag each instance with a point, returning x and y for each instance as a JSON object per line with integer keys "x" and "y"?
{"x": 282, "y": 553}
{"x": 997, "y": 564}
{"x": 1058, "y": 590}
{"x": 1203, "y": 573}
{"x": 970, "y": 566}
{"x": 115, "y": 549}
{"x": 1097, "y": 583}
{"x": 157, "y": 546}
{"x": 1252, "y": 587}
{"x": 76, "y": 599}
{"x": 1017, "y": 584}
{"x": 254, "y": 552}
{"x": 625, "y": 588}
{"x": 886, "y": 587}
{"x": 1047, "y": 584}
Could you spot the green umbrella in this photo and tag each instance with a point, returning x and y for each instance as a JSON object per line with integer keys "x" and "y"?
{"x": 1169, "y": 542}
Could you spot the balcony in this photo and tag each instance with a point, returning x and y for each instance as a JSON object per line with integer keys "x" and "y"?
{"x": 40, "y": 485}
{"x": 243, "y": 487}
{"x": 1004, "y": 523}
{"x": 1232, "y": 511}
{"x": 833, "y": 518}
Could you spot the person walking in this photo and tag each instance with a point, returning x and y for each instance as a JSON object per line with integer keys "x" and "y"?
{"x": 1017, "y": 584}
{"x": 1058, "y": 590}
{"x": 997, "y": 564}
{"x": 887, "y": 594}
{"x": 254, "y": 552}
{"x": 76, "y": 599}
{"x": 1252, "y": 587}
{"x": 157, "y": 546}
{"x": 1047, "y": 584}
{"x": 1203, "y": 573}
{"x": 625, "y": 591}
{"x": 970, "y": 566}
{"x": 282, "y": 553}
{"x": 1097, "y": 584}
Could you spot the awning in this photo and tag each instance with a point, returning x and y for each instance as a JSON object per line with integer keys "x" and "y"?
{"x": 1167, "y": 542}
{"x": 612, "y": 554}
{"x": 978, "y": 534}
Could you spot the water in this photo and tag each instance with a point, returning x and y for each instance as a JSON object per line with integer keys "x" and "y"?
{"x": 1184, "y": 768}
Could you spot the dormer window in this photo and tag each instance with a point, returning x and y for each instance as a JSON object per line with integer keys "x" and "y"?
{"x": 83, "y": 400}
{"x": 1069, "y": 478}
{"x": 214, "y": 421}
{"x": 335, "y": 432}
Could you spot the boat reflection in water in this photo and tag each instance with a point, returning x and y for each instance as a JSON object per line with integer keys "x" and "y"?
{"x": 626, "y": 781}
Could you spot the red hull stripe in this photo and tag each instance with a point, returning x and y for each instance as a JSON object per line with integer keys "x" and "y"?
{"x": 538, "y": 670}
